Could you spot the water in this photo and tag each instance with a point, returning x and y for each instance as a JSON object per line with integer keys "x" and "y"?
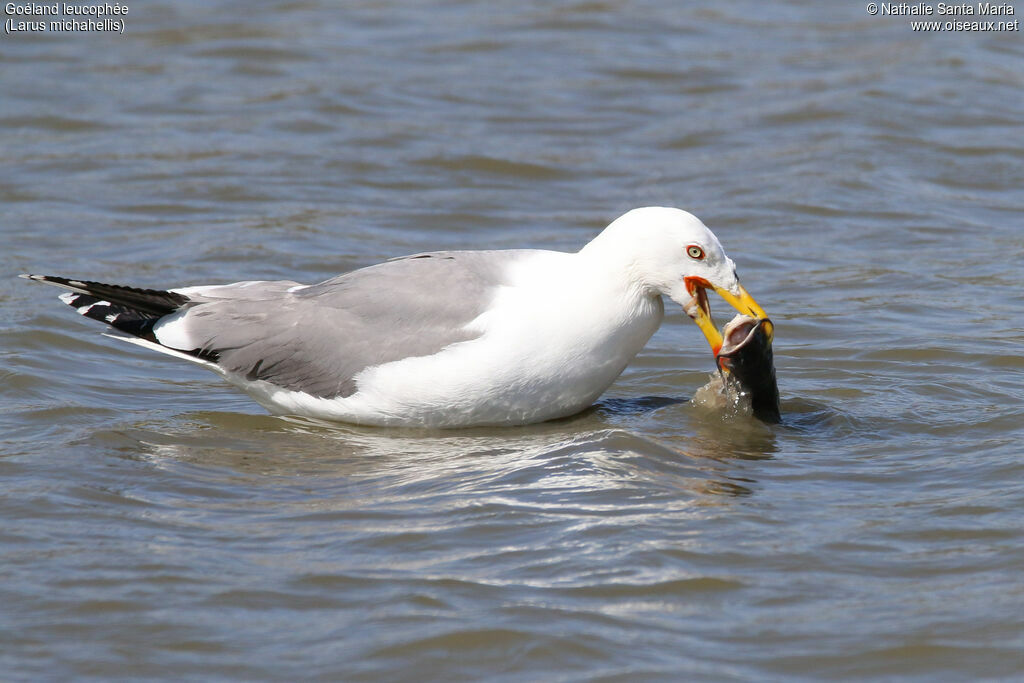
{"x": 866, "y": 178}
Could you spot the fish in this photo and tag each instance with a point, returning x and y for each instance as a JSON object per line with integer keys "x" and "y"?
{"x": 746, "y": 356}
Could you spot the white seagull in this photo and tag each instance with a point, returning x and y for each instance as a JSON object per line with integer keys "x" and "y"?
{"x": 439, "y": 339}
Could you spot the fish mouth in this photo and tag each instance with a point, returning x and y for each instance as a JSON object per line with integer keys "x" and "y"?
{"x": 739, "y": 333}
{"x": 699, "y": 309}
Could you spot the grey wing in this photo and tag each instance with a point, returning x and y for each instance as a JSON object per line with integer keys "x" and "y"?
{"x": 316, "y": 339}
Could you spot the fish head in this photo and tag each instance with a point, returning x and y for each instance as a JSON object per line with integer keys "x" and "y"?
{"x": 746, "y": 354}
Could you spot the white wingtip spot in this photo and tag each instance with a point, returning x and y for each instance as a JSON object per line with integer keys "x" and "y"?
{"x": 70, "y": 298}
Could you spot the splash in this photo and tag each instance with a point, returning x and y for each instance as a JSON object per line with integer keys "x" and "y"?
{"x": 723, "y": 395}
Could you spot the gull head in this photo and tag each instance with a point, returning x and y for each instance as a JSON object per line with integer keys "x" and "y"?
{"x": 670, "y": 252}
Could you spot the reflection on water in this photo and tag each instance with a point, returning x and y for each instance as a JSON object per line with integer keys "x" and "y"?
{"x": 561, "y": 456}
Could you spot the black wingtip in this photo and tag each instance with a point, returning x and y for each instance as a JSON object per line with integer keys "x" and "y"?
{"x": 127, "y": 309}
{"x": 150, "y": 301}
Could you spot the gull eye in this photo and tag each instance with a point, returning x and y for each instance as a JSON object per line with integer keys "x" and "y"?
{"x": 695, "y": 252}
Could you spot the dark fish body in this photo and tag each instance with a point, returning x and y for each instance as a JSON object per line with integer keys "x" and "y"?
{"x": 746, "y": 354}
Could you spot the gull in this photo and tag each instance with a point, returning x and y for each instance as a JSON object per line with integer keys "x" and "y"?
{"x": 443, "y": 338}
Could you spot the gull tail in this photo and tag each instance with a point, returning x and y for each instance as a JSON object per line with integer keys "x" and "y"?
{"x": 131, "y": 310}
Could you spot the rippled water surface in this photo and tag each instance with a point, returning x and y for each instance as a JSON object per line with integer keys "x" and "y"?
{"x": 868, "y": 180}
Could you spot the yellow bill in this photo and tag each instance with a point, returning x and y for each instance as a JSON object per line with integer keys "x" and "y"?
{"x": 699, "y": 309}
